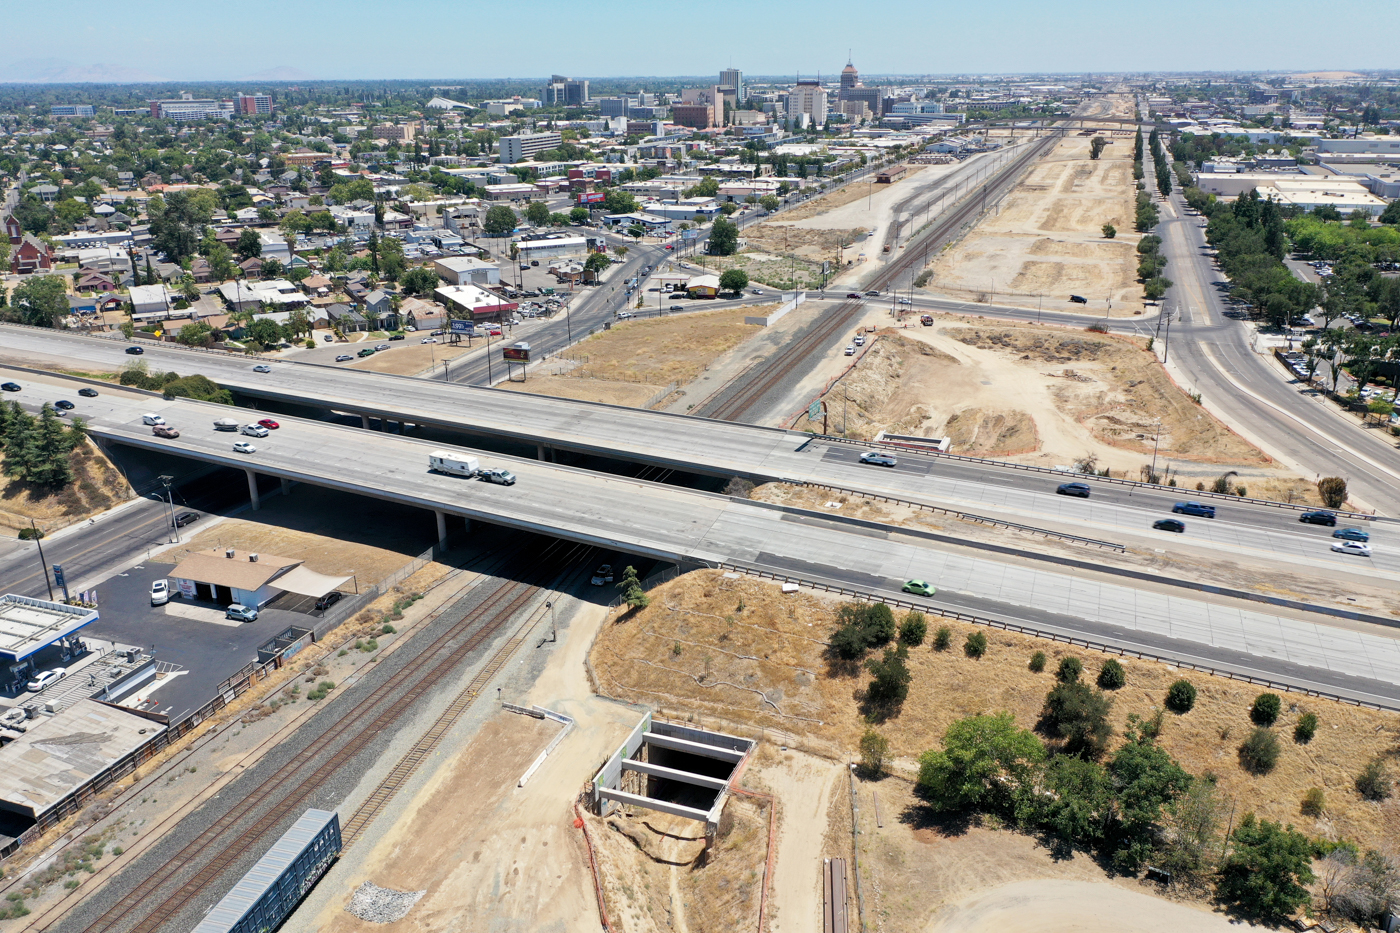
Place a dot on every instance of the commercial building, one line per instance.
(248, 579)
(809, 98)
(467, 270)
(1371, 145)
(150, 300)
(404, 132)
(253, 104)
(553, 246)
(71, 110)
(565, 92)
(188, 107)
(733, 77)
(852, 90)
(29, 625)
(523, 146)
(475, 302)
(695, 116)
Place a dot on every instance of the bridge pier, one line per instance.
(539, 452)
(364, 422)
(253, 489)
(286, 486)
(441, 517)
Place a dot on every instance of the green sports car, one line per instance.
(919, 588)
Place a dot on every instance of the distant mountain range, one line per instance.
(58, 71)
(280, 73)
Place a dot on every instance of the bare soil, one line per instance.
(847, 195)
(627, 394)
(408, 358)
(97, 486)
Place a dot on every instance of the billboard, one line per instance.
(463, 327)
(518, 353)
(594, 197)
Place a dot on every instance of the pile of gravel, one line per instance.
(382, 905)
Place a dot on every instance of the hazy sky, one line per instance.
(456, 39)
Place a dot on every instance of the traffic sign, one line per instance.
(814, 411)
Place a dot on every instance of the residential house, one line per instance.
(358, 291)
(46, 193)
(424, 315)
(125, 180)
(246, 215)
(252, 267)
(82, 305)
(152, 300)
(346, 318)
(378, 309)
(201, 271)
(31, 255)
(316, 284)
(95, 281)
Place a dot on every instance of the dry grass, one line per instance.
(658, 351)
(847, 195)
(771, 646)
(97, 486)
(408, 358)
(628, 394)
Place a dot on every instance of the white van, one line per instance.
(152, 419)
(444, 461)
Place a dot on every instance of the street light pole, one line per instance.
(170, 502)
(42, 564)
(1152, 477)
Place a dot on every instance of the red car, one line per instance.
(269, 424)
(852, 294)
(668, 246)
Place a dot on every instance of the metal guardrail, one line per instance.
(969, 516)
(1077, 641)
(1174, 490)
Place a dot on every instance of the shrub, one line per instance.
(1038, 662)
(942, 638)
(388, 629)
(1259, 752)
(890, 683)
(1069, 671)
(976, 645)
(874, 748)
(1333, 490)
(1305, 729)
(1079, 715)
(879, 625)
(1373, 782)
(1265, 710)
(1111, 675)
(913, 630)
(1313, 802)
(1181, 697)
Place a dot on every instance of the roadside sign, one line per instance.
(518, 353)
(593, 197)
(463, 327)
(814, 411)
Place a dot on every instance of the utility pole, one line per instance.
(1152, 477)
(44, 566)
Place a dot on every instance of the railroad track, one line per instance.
(755, 384)
(150, 904)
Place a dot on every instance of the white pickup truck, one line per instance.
(444, 461)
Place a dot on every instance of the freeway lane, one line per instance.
(682, 525)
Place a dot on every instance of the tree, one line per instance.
(249, 243)
(266, 332)
(1112, 675)
(419, 281)
(221, 262)
(1079, 715)
(1096, 146)
(631, 589)
(1373, 782)
(42, 301)
(1266, 708)
(1037, 662)
(1109, 231)
(771, 203)
(890, 684)
(596, 262)
(1191, 836)
(196, 334)
(985, 762)
(913, 629)
(1305, 728)
(942, 638)
(1154, 289)
(1266, 869)
(1391, 214)
(1181, 696)
(1148, 781)
(500, 221)
(1069, 670)
(1333, 490)
(579, 215)
(724, 237)
(976, 644)
(537, 213)
(874, 749)
(1074, 802)
(617, 201)
(734, 280)
(1259, 751)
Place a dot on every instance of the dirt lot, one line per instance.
(370, 540)
(737, 649)
(634, 360)
(1047, 239)
(847, 195)
(407, 358)
(1047, 396)
(97, 486)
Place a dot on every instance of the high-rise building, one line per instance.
(565, 92)
(733, 77)
(695, 115)
(849, 76)
(521, 147)
(808, 97)
(852, 89)
(250, 104)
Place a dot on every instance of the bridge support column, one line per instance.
(364, 422)
(286, 486)
(253, 489)
(539, 452)
(441, 517)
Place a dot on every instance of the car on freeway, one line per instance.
(1169, 524)
(241, 613)
(329, 600)
(1352, 534)
(603, 574)
(13, 717)
(1319, 518)
(186, 518)
(1352, 547)
(919, 588)
(135, 351)
(850, 349)
(367, 351)
(46, 679)
(852, 294)
(243, 447)
(160, 592)
(1194, 508)
(499, 477)
(165, 430)
(10, 386)
(381, 346)
(1081, 490)
(64, 405)
(87, 393)
(262, 368)
(397, 337)
(254, 430)
(1079, 299)
(879, 458)
(269, 423)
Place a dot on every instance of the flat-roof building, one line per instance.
(28, 625)
(467, 270)
(474, 301)
(523, 146)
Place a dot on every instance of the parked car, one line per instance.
(1081, 490)
(64, 405)
(46, 679)
(604, 574)
(1318, 518)
(243, 447)
(269, 423)
(499, 477)
(160, 592)
(329, 600)
(919, 588)
(135, 351)
(879, 458)
(1194, 508)
(162, 430)
(1169, 524)
(262, 368)
(186, 518)
(850, 349)
(253, 430)
(1352, 547)
(85, 392)
(10, 386)
(926, 320)
(241, 613)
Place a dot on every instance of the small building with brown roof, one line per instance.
(231, 577)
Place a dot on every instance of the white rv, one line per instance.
(444, 461)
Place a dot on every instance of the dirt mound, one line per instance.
(783, 240)
(891, 389)
(1036, 344)
(980, 433)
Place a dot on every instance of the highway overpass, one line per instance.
(690, 527)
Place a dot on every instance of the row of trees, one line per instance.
(173, 385)
(1151, 262)
(37, 449)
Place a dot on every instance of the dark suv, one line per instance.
(1319, 518)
